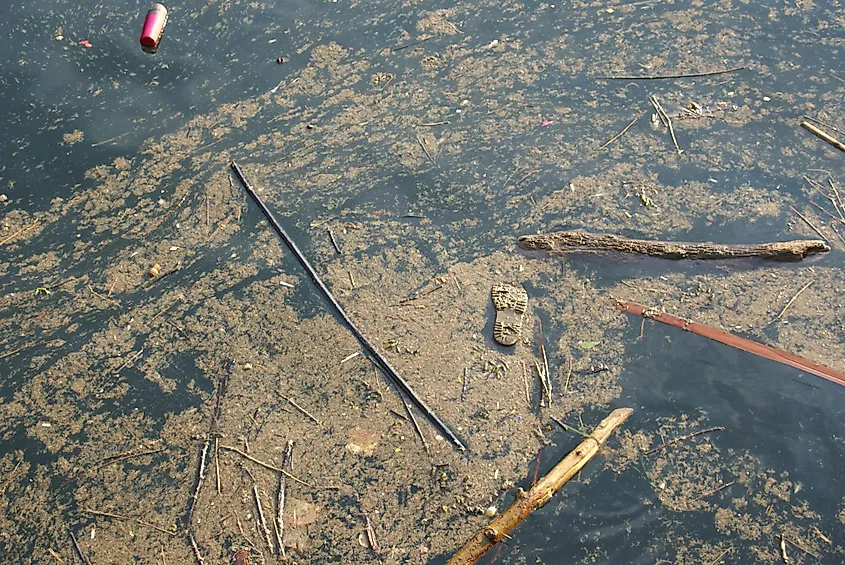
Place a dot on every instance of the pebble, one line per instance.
(4, 198)
(491, 511)
(247, 366)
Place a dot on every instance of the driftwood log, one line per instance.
(566, 241)
(527, 502)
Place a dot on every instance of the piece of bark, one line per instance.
(527, 502)
(576, 240)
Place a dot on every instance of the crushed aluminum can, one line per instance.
(153, 28)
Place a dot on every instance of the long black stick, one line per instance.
(380, 361)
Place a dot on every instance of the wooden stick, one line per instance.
(196, 549)
(281, 493)
(19, 232)
(128, 519)
(720, 556)
(823, 135)
(576, 240)
(371, 536)
(621, 133)
(416, 426)
(262, 521)
(809, 223)
(683, 438)
(249, 457)
(78, 549)
(379, 359)
(525, 384)
(334, 241)
(715, 490)
(422, 144)
(667, 120)
(797, 294)
(303, 410)
(217, 465)
(200, 479)
(525, 503)
(734, 341)
(662, 77)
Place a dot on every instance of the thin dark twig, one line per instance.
(380, 361)
(683, 438)
(79, 549)
(661, 77)
(623, 132)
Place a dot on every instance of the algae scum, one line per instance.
(405, 146)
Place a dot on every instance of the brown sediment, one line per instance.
(567, 241)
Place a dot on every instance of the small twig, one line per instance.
(569, 371)
(412, 44)
(801, 547)
(371, 533)
(546, 376)
(10, 476)
(720, 556)
(823, 135)
(525, 384)
(788, 304)
(683, 438)
(464, 385)
(838, 198)
(432, 124)
(809, 223)
(420, 294)
(822, 536)
(303, 410)
(19, 232)
(667, 120)
(260, 519)
(287, 459)
(623, 132)
(101, 297)
(129, 361)
(350, 357)
(128, 519)
(351, 279)
(334, 241)
(18, 350)
(249, 457)
(416, 425)
(661, 77)
(196, 548)
(424, 148)
(124, 456)
(217, 465)
(714, 491)
(78, 549)
(200, 479)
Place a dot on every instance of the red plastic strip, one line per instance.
(734, 341)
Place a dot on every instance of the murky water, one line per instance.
(422, 138)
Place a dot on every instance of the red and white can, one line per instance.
(153, 28)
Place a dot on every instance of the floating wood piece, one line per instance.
(379, 360)
(823, 135)
(734, 341)
(527, 502)
(673, 76)
(577, 240)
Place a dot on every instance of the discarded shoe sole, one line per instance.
(510, 302)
